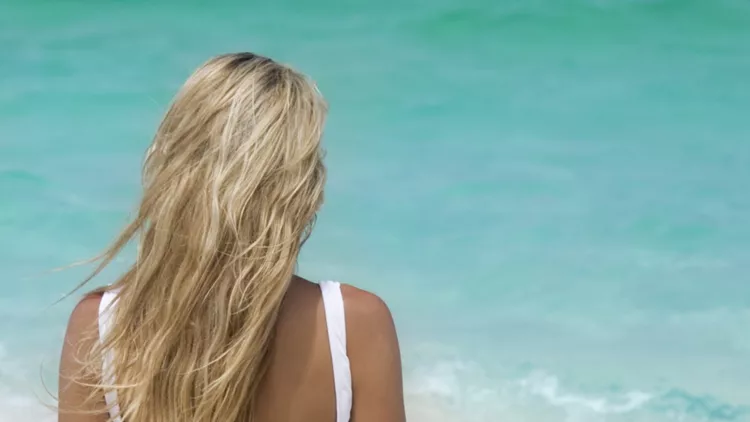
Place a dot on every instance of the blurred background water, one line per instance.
(552, 195)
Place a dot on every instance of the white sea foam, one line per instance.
(548, 387)
(17, 401)
(460, 391)
(19, 408)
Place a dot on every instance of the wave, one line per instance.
(459, 391)
(453, 391)
(17, 402)
(548, 387)
(19, 408)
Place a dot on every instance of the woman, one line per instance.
(210, 323)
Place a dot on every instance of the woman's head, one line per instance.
(238, 153)
(232, 184)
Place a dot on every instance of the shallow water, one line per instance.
(551, 195)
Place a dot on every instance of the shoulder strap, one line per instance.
(333, 302)
(106, 306)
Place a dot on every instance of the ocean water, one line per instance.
(552, 195)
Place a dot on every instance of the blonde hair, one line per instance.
(232, 184)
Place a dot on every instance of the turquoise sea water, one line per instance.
(552, 195)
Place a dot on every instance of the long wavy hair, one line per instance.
(231, 187)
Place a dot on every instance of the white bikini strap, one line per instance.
(333, 302)
(106, 306)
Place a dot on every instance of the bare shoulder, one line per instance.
(368, 319)
(374, 356)
(84, 317)
(82, 334)
(365, 308)
(87, 310)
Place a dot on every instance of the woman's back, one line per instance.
(305, 358)
(307, 371)
(300, 384)
(209, 324)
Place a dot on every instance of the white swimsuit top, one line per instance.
(333, 302)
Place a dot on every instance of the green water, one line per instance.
(551, 195)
